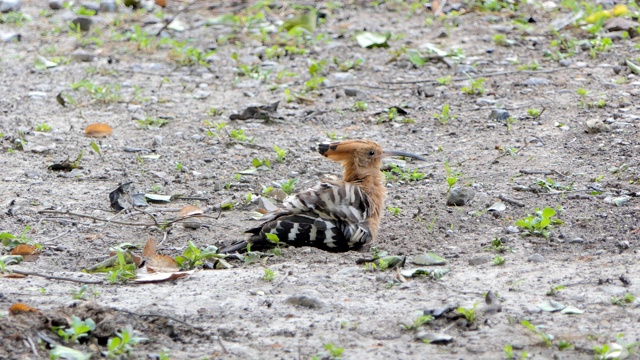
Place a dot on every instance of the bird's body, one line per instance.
(334, 216)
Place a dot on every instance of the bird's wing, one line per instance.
(331, 216)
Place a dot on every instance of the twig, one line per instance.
(510, 201)
(514, 153)
(535, 172)
(221, 344)
(52, 277)
(279, 282)
(161, 316)
(167, 23)
(33, 347)
(57, 236)
(499, 73)
(440, 8)
(93, 218)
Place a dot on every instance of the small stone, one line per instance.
(486, 102)
(84, 56)
(157, 140)
(358, 94)
(342, 76)
(460, 196)
(476, 349)
(465, 69)
(10, 5)
(305, 301)
(512, 229)
(108, 6)
(499, 115)
(201, 94)
(565, 62)
(434, 338)
(13, 37)
(624, 244)
(534, 81)
(83, 22)
(55, 4)
(577, 241)
(92, 6)
(595, 126)
(536, 258)
(482, 259)
(429, 259)
(426, 91)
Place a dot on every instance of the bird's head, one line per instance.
(359, 157)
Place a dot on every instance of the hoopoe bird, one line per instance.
(335, 216)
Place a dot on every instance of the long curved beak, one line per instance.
(402, 153)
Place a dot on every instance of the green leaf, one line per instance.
(633, 67)
(548, 212)
(306, 21)
(95, 147)
(367, 39)
(273, 238)
(415, 58)
(41, 63)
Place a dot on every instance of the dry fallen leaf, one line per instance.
(162, 263)
(28, 252)
(19, 308)
(159, 277)
(98, 130)
(161, 3)
(150, 248)
(192, 213)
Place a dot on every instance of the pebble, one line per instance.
(465, 69)
(305, 301)
(577, 241)
(92, 6)
(201, 94)
(499, 115)
(55, 4)
(157, 140)
(565, 62)
(358, 94)
(84, 56)
(535, 81)
(13, 37)
(536, 258)
(83, 22)
(342, 76)
(512, 229)
(434, 338)
(486, 102)
(10, 5)
(482, 259)
(108, 6)
(460, 196)
(595, 126)
(426, 91)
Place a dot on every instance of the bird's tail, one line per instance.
(258, 243)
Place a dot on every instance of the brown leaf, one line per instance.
(150, 248)
(13, 276)
(19, 308)
(162, 263)
(98, 130)
(190, 210)
(161, 3)
(28, 252)
(159, 277)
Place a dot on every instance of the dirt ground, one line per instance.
(538, 155)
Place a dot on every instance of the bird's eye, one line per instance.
(371, 153)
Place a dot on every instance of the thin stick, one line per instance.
(510, 201)
(52, 277)
(33, 347)
(93, 218)
(161, 316)
(535, 172)
(279, 282)
(499, 73)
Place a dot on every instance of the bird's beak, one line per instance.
(402, 153)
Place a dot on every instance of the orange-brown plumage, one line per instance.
(334, 216)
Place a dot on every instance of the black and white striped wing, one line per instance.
(330, 216)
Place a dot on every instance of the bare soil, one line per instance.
(236, 314)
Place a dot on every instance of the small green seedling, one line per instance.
(77, 330)
(475, 87)
(9, 240)
(554, 290)
(152, 123)
(44, 127)
(546, 339)
(288, 186)
(498, 260)
(534, 113)
(469, 314)
(123, 270)
(334, 351)
(452, 177)
(539, 223)
(625, 300)
(418, 322)
(269, 274)
(498, 246)
(193, 256)
(258, 163)
(179, 166)
(280, 153)
(360, 106)
(394, 210)
(120, 347)
(445, 115)
(508, 352)
(500, 40)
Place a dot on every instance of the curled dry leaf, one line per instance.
(161, 3)
(159, 277)
(98, 130)
(19, 308)
(192, 213)
(28, 252)
(162, 263)
(150, 248)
